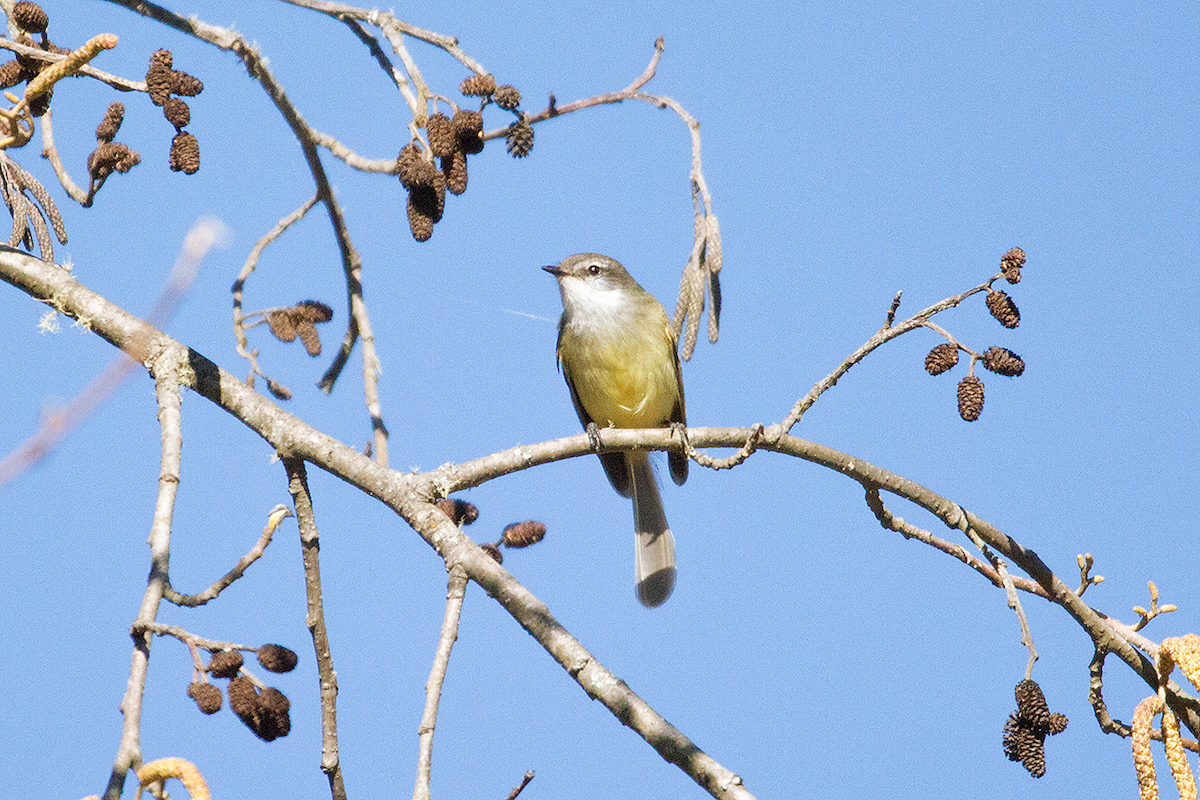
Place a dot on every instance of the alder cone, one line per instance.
(1003, 309)
(207, 697)
(970, 398)
(941, 358)
(1003, 361)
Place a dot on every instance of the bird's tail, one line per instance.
(654, 552)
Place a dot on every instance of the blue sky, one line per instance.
(852, 151)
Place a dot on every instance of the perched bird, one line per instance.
(617, 352)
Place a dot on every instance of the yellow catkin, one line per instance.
(1143, 759)
(1185, 652)
(69, 65)
(1177, 756)
(182, 769)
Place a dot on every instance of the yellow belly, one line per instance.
(623, 383)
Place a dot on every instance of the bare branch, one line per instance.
(437, 676)
(521, 786)
(239, 332)
(129, 752)
(276, 516)
(884, 334)
(411, 496)
(310, 542)
(115, 81)
(909, 531)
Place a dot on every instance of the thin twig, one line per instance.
(909, 531)
(50, 152)
(884, 334)
(274, 517)
(310, 543)
(1106, 721)
(251, 264)
(521, 786)
(437, 676)
(189, 638)
(115, 81)
(129, 752)
(1014, 602)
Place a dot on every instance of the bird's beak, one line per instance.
(556, 271)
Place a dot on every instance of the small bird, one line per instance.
(618, 355)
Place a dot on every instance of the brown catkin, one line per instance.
(442, 139)
(313, 311)
(1003, 308)
(519, 139)
(468, 127)
(128, 160)
(113, 116)
(419, 222)
(225, 664)
(277, 658)
(158, 76)
(30, 17)
(105, 158)
(177, 112)
(478, 86)
(1031, 704)
(11, 73)
(185, 85)
(1011, 263)
(244, 700)
(1003, 361)
(427, 201)
(185, 153)
(273, 720)
(207, 697)
(970, 398)
(307, 333)
(454, 169)
(413, 169)
(507, 97)
(941, 358)
(523, 534)
(282, 324)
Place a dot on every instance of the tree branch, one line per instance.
(455, 592)
(310, 542)
(412, 496)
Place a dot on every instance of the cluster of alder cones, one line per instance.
(451, 140)
(1026, 730)
(168, 87)
(264, 711)
(999, 360)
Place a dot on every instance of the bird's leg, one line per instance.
(680, 430)
(593, 433)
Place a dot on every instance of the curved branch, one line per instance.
(412, 496)
(276, 516)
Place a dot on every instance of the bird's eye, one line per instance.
(593, 269)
